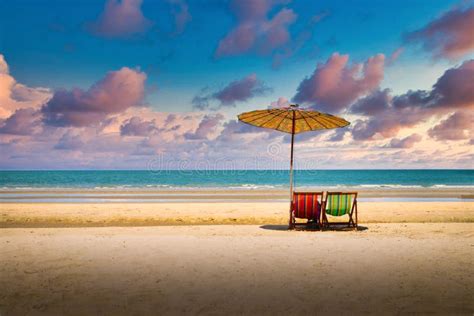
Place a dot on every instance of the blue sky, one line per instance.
(79, 71)
(47, 44)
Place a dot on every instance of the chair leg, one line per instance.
(324, 222)
(356, 220)
(291, 224)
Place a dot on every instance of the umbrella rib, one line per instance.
(332, 122)
(274, 115)
(305, 120)
(335, 118)
(282, 121)
(259, 115)
(317, 121)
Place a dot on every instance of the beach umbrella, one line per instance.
(292, 120)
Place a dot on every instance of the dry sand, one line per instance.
(196, 213)
(384, 269)
(409, 257)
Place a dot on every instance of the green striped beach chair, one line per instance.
(339, 204)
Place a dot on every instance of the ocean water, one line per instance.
(235, 179)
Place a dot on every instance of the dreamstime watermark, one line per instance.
(270, 161)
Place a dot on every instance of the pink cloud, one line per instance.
(22, 122)
(136, 126)
(236, 91)
(116, 92)
(70, 141)
(407, 142)
(449, 36)
(456, 86)
(395, 55)
(207, 127)
(120, 19)
(386, 115)
(14, 95)
(384, 118)
(458, 126)
(282, 102)
(254, 30)
(336, 84)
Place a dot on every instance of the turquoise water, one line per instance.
(235, 178)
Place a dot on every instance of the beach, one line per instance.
(229, 251)
(245, 269)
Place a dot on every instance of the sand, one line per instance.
(384, 269)
(237, 194)
(198, 213)
(173, 258)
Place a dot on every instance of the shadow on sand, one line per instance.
(310, 228)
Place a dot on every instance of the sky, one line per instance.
(142, 84)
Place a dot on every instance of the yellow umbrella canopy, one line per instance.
(292, 120)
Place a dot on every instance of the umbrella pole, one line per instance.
(291, 171)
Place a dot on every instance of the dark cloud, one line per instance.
(407, 142)
(450, 35)
(458, 126)
(180, 12)
(255, 31)
(335, 84)
(386, 115)
(206, 127)
(69, 141)
(21, 122)
(136, 126)
(120, 19)
(115, 93)
(237, 91)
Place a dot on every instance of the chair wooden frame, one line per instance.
(353, 220)
(311, 221)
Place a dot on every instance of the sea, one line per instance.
(234, 179)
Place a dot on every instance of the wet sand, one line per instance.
(384, 269)
(242, 194)
(199, 213)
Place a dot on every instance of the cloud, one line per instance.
(338, 135)
(395, 55)
(448, 36)
(180, 12)
(456, 86)
(69, 141)
(282, 102)
(207, 127)
(300, 39)
(386, 115)
(254, 30)
(458, 126)
(335, 84)
(136, 126)
(120, 19)
(116, 92)
(14, 95)
(373, 104)
(407, 142)
(236, 91)
(22, 122)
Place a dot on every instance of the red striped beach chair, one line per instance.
(306, 205)
(339, 204)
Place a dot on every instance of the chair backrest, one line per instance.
(340, 203)
(307, 204)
